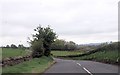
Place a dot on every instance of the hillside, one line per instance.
(107, 53)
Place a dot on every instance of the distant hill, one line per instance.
(90, 44)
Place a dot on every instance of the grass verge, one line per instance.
(36, 65)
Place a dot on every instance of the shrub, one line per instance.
(38, 49)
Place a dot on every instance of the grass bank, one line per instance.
(104, 56)
(108, 54)
(36, 65)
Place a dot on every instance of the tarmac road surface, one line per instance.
(81, 67)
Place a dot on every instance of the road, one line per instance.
(81, 67)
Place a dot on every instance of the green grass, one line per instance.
(110, 56)
(10, 52)
(106, 53)
(36, 65)
(65, 53)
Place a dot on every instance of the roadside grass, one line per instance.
(66, 53)
(36, 65)
(102, 56)
(11, 52)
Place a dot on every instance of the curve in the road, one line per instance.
(86, 67)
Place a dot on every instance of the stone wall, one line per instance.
(16, 60)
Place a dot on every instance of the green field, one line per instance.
(10, 52)
(108, 55)
(66, 53)
(36, 65)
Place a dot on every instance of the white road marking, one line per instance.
(85, 69)
(79, 64)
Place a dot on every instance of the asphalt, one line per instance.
(81, 67)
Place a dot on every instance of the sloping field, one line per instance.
(107, 54)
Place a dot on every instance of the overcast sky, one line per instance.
(81, 21)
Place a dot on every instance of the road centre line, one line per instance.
(79, 64)
(85, 69)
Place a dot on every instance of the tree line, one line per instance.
(14, 46)
(61, 44)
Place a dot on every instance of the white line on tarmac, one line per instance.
(79, 64)
(85, 69)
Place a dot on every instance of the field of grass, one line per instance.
(10, 52)
(107, 53)
(65, 53)
(36, 65)
(108, 56)
(112, 55)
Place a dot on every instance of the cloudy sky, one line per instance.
(81, 21)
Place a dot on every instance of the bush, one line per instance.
(38, 49)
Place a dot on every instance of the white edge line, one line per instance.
(85, 69)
